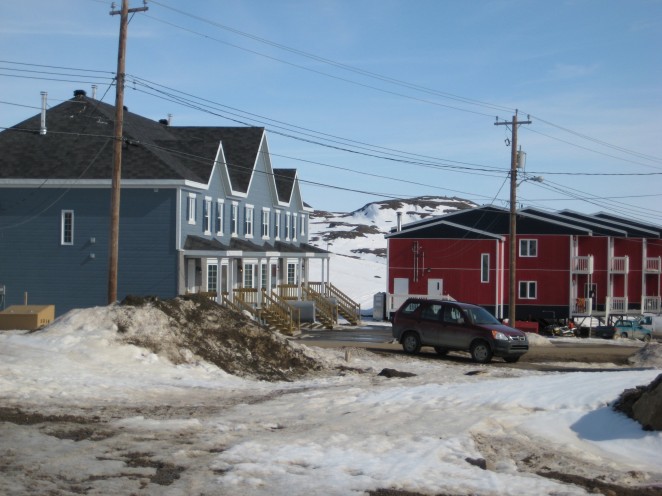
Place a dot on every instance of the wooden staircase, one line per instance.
(277, 313)
(347, 308)
(325, 312)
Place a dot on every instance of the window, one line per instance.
(263, 274)
(212, 277)
(234, 220)
(294, 227)
(265, 223)
(277, 224)
(431, 311)
(190, 213)
(67, 227)
(206, 216)
(411, 307)
(287, 226)
(453, 315)
(303, 225)
(220, 211)
(248, 221)
(249, 270)
(291, 273)
(528, 290)
(485, 267)
(528, 247)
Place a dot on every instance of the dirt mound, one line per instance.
(192, 328)
(643, 404)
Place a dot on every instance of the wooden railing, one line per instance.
(241, 305)
(288, 291)
(653, 265)
(247, 295)
(326, 312)
(617, 304)
(582, 265)
(347, 307)
(651, 304)
(619, 265)
(279, 313)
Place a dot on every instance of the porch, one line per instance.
(290, 307)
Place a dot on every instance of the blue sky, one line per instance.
(418, 83)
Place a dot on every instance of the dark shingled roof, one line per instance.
(284, 183)
(79, 145)
(197, 243)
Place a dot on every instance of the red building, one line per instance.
(569, 265)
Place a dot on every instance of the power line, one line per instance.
(377, 76)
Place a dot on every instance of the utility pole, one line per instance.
(512, 280)
(113, 248)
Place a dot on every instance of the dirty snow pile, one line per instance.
(84, 412)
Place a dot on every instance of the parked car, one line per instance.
(631, 329)
(451, 325)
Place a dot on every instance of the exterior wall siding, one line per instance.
(456, 262)
(33, 260)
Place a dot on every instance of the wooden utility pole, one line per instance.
(113, 248)
(512, 266)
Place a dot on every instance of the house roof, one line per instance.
(485, 222)
(197, 243)
(78, 144)
(489, 221)
(285, 183)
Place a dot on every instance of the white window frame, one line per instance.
(288, 224)
(67, 228)
(293, 278)
(525, 248)
(266, 215)
(206, 215)
(528, 290)
(234, 219)
(484, 267)
(249, 212)
(220, 211)
(210, 266)
(276, 224)
(248, 271)
(191, 206)
(303, 224)
(264, 275)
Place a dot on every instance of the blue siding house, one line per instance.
(202, 210)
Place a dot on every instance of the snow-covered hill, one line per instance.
(357, 241)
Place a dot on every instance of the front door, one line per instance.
(435, 287)
(400, 291)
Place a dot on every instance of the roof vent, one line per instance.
(163, 121)
(79, 93)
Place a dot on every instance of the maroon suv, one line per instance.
(451, 325)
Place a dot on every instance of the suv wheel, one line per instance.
(624, 335)
(481, 352)
(647, 338)
(411, 343)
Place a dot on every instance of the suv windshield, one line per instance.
(480, 316)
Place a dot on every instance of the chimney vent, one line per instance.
(42, 128)
(163, 121)
(399, 228)
(94, 91)
(79, 93)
